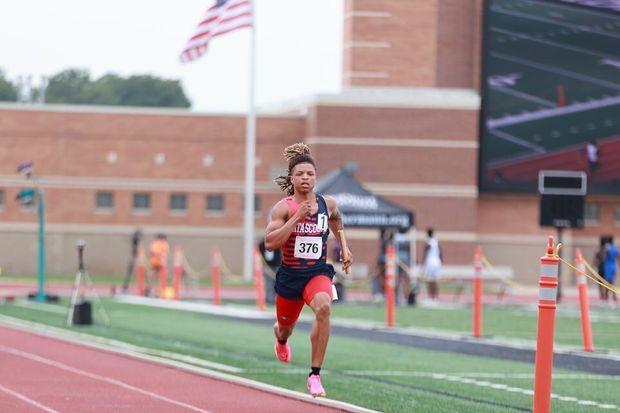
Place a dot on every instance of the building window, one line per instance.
(591, 213)
(215, 204)
(141, 202)
(1, 199)
(617, 214)
(104, 201)
(178, 203)
(256, 204)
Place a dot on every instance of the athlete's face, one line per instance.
(303, 177)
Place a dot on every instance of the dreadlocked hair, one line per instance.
(295, 154)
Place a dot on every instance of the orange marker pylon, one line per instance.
(582, 285)
(561, 95)
(140, 271)
(390, 284)
(547, 299)
(177, 272)
(216, 275)
(477, 299)
(258, 280)
(163, 280)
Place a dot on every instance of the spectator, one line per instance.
(593, 155)
(135, 243)
(378, 281)
(611, 268)
(159, 259)
(271, 262)
(599, 263)
(432, 264)
(405, 285)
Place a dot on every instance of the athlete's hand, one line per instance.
(303, 211)
(346, 263)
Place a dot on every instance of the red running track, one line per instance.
(41, 374)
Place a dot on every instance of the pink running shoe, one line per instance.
(283, 352)
(315, 387)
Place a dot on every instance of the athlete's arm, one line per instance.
(281, 226)
(335, 225)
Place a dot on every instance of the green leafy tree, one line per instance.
(75, 86)
(69, 86)
(8, 91)
(147, 90)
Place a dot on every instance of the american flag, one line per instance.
(223, 17)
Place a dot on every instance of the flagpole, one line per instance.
(250, 152)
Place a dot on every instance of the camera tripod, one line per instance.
(79, 290)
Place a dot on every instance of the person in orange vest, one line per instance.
(158, 252)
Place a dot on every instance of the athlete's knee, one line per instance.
(283, 332)
(322, 309)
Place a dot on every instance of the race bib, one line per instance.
(322, 222)
(308, 247)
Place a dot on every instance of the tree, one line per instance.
(75, 86)
(8, 91)
(69, 86)
(147, 90)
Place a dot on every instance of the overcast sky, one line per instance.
(299, 46)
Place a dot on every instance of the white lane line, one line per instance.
(121, 347)
(553, 44)
(548, 113)
(62, 366)
(557, 71)
(517, 141)
(556, 22)
(481, 375)
(523, 95)
(28, 400)
(527, 392)
(87, 341)
(577, 10)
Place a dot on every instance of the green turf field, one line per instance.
(379, 376)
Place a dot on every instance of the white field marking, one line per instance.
(527, 392)
(508, 120)
(517, 141)
(516, 376)
(62, 366)
(50, 308)
(581, 10)
(553, 44)
(28, 400)
(524, 96)
(116, 346)
(575, 27)
(556, 70)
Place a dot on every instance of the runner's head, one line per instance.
(301, 170)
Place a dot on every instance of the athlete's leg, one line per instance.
(287, 313)
(318, 295)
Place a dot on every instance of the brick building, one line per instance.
(408, 115)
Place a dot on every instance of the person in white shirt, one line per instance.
(432, 264)
(593, 155)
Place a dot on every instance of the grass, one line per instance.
(497, 321)
(378, 376)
